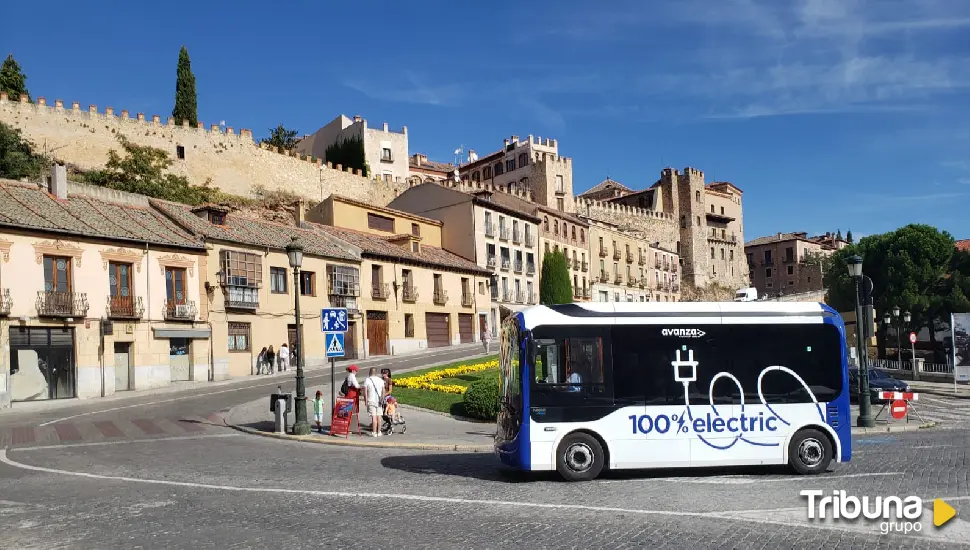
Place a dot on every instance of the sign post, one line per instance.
(334, 324)
(912, 345)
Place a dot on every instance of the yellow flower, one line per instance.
(425, 381)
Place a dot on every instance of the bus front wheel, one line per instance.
(580, 457)
(810, 452)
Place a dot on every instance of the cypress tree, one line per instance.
(554, 285)
(186, 100)
(13, 80)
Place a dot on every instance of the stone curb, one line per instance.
(376, 445)
(894, 428)
(941, 393)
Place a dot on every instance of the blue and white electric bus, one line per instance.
(644, 385)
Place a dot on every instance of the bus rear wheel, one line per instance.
(580, 457)
(810, 452)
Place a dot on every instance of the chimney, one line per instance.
(58, 181)
(385, 126)
(300, 213)
(506, 142)
(357, 118)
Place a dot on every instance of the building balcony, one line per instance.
(576, 264)
(409, 294)
(629, 257)
(440, 297)
(530, 298)
(530, 240)
(642, 283)
(604, 278)
(520, 297)
(790, 260)
(666, 266)
(179, 310)
(617, 279)
(467, 299)
(631, 282)
(380, 291)
(603, 252)
(518, 266)
(577, 292)
(516, 237)
(6, 302)
(641, 260)
(490, 262)
(503, 233)
(348, 302)
(617, 255)
(62, 304)
(673, 268)
(585, 266)
(506, 264)
(675, 287)
(241, 297)
(506, 295)
(657, 264)
(490, 230)
(124, 307)
(586, 293)
(530, 269)
(344, 288)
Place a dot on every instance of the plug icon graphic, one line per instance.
(685, 371)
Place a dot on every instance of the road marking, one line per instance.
(108, 429)
(447, 500)
(746, 480)
(275, 382)
(67, 432)
(127, 442)
(147, 426)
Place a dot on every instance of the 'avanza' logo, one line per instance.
(683, 332)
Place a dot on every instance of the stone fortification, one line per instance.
(231, 161)
(654, 226)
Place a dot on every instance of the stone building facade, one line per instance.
(788, 263)
(385, 151)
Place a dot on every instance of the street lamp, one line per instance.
(294, 252)
(906, 319)
(854, 265)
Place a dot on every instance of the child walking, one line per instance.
(318, 411)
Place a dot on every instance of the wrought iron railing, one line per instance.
(125, 307)
(62, 304)
(179, 310)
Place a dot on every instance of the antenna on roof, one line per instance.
(458, 153)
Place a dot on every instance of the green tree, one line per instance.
(348, 153)
(13, 81)
(142, 170)
(282, 138)
(17, 156)
(554, 285)
(838, 234)
(911, 267)
(186, 100)
(848, 236)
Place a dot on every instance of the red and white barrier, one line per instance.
(893, 395)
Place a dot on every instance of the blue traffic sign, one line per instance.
(333, 319)
(335, 344)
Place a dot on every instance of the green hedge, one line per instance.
(481, 399)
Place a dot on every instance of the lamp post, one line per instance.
(854, 264)
(294, 252)
(906, 319)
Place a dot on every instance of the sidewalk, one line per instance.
(175, 388)
(426, 430)
(944, 389)
(884, 426)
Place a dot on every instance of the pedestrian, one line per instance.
(388, 384)
(351, 388)
(485, 336)
(373, 393)
(260, 359)
(271, 360)
(317, 409)
(284, 355)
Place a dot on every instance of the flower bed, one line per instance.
(426, 380)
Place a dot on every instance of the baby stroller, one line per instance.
(392, 417)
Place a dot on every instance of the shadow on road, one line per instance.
(480, 466)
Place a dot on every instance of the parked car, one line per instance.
(879, 381)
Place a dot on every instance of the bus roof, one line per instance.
(676, 313)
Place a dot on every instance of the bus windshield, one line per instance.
(510, 391)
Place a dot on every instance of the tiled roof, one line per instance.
(963, 245)
(377, 246)
(433, 166)
(255, 232)
(507, 202)
(781, 237)
(31, 207)
(384, 209)
(605, 184)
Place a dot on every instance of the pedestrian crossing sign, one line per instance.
(335, 344)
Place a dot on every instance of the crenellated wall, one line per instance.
(232, 161)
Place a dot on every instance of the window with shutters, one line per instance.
(380, 223)
(239, 337)
(243, 272)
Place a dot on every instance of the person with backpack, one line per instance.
(351, 387)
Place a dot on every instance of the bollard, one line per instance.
(280, 414)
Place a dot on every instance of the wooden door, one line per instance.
(350, 341)
(438, 329)
(376, 332)
(466, 328)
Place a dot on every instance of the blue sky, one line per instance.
(827, 113)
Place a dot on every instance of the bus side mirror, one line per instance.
(531, 350)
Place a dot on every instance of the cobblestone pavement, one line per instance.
(219, 488)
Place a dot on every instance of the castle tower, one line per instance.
(553, 181)
(690, 212)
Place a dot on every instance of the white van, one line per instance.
(749, 294)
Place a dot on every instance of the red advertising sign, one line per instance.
(343, 410)
(898, 409)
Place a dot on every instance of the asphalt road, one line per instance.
(211, 487)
